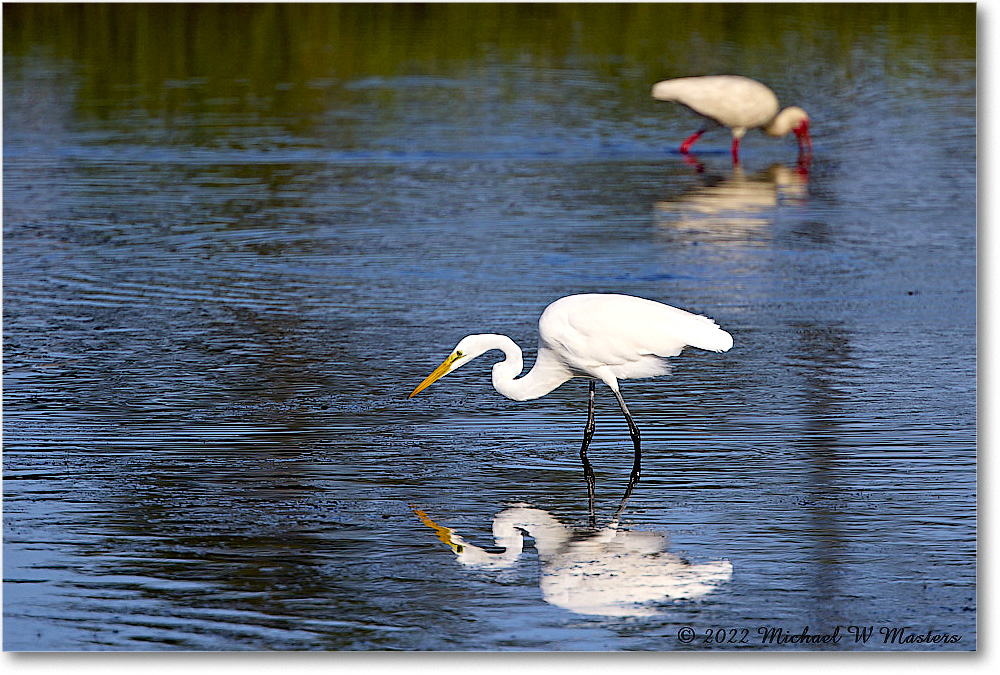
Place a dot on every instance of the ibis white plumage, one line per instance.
(604, 337)
(738, 103)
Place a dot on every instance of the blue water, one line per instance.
(209, 337)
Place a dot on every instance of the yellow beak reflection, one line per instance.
(443, 533)
(439, 372)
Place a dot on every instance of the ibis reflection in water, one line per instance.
(735, 206)
(610, 571)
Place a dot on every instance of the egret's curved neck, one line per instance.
(540, 380)
(549, 534)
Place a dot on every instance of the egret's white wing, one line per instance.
(628, 334)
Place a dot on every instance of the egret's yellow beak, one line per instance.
(439, 372)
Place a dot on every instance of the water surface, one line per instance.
(229, 255)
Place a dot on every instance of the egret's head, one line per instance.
(467, 349)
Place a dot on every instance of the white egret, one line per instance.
(738, 103)
(602, 337)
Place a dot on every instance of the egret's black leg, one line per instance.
(633, 431)
(588, 470)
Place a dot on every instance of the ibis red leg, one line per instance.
(686, 145)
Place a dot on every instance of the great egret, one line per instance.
(604, 337)
(738, 103)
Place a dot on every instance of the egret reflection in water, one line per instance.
(608, 572)
(738, 205)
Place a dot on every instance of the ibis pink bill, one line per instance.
(735, 102)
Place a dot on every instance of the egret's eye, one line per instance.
(458, 353)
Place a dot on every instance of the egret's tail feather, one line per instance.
(714, 340)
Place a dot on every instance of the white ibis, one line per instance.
(738, 103)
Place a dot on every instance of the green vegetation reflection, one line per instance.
(276, 59)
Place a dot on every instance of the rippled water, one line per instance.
(215, 308)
